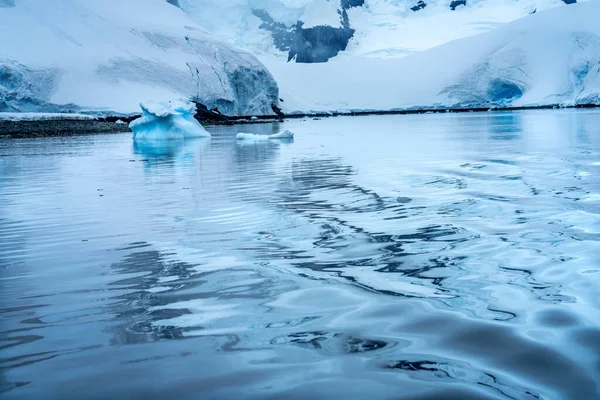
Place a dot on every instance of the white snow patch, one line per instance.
(321, 12)
(11, 116)
(167, 121)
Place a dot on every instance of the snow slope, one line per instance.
(68, 55)
(550, 57)
(382, 28)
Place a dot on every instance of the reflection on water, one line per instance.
(440, 256)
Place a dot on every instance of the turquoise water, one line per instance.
(445, 256)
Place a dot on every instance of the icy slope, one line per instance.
(551, 57)
(65, 55)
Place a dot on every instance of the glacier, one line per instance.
(108, 55)
(483, 54)
(548, 58)
(172, 120)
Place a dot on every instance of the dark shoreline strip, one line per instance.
(67, 127)
(417, 111)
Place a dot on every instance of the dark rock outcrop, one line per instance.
(419, 6)
(456, 3)
(310, 45)
(346, 4)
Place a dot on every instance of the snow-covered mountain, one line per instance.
(550, 57)
(349, 55)
(317, 30)
(60, 55)
(405, 54)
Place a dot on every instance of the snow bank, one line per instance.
(167, 121)
(551, 57)
(8, 116)
(252, 136)
(65, 55)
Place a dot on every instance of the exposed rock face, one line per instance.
(456, 3)
(310, 45)
(346, 4)
(419, 6)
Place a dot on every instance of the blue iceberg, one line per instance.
(167, 121)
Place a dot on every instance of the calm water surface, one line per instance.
(451, 256)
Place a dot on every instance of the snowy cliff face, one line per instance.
(308, 31)
(110, 54)
(548, 58)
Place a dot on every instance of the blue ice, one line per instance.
(167, 121)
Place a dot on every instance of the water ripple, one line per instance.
(452, 256)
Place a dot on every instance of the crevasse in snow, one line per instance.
(167, 121)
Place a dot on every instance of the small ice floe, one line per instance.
(167, 121)
(252, 136)
(120, 122)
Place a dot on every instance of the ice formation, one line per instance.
(282, 135)
(252, 136)
(549, 58)
(108, 55)
(167, 121)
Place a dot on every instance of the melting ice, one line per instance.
(167, 121)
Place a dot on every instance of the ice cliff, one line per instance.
(68, 55)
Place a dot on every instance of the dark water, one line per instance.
(401, 257)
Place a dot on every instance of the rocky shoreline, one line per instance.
(59, 127)
(120, 124)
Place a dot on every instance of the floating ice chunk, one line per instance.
(252, 136)
(167, 121)
(282, 135)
